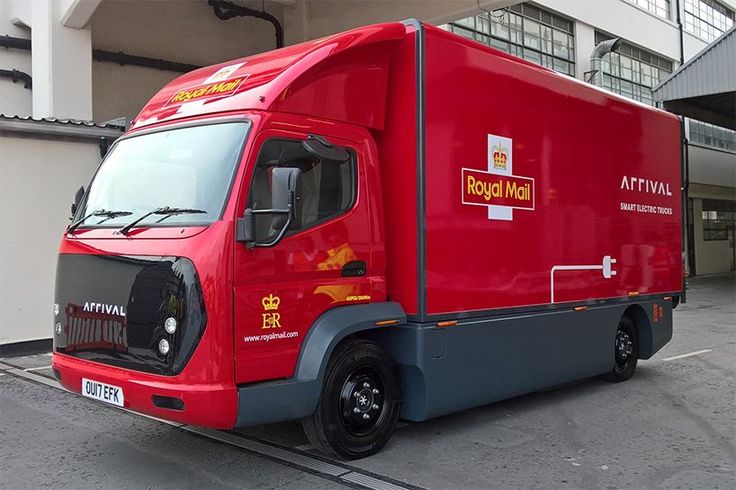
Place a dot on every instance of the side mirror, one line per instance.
(324, 150)
(283, 191)
(246, 228)
(77, 199)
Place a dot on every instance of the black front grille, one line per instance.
(112, 310)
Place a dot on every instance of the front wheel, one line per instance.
(360, 402)
(626, 352)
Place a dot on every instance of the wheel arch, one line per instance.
(643, 325)
(336, 325)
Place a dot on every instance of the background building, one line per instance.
(66, 61)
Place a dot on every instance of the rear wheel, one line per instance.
(360, 402)
(626, 352)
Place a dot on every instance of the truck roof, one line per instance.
(272, 81)
(258, 82)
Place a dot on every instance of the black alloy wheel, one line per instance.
(626, 351)
(360, 402)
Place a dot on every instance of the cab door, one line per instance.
(323, 260)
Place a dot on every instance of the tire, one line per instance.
(360, 402)
(625, 350)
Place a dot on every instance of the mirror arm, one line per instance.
(272, 211)
(281, 234)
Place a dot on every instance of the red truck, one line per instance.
(389, 222)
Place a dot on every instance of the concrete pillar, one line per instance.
(296, 23)
(584, 44)
(61, 62)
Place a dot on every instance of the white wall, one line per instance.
(38, 179)
(635, 25)
(184, 31)
(713, 167)
(14, 99)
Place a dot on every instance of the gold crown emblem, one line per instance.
(500, 157)
(270, 302)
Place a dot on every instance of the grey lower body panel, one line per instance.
(478, 361)
(277, 401)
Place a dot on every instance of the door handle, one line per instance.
(354, 268)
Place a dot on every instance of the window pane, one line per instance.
(532, 56)
(324, 188)
(531, 34)
(184, 168)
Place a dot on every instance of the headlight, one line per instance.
(56, 309)
(170, 325)
(163, 346)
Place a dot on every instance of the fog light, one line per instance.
(56, 309)
(170, 325)
(163, 346)
(57, 328)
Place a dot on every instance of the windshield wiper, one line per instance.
(165, 211)
(99, 212)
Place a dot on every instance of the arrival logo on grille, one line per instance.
(117, 310)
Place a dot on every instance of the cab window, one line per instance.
(325, 189)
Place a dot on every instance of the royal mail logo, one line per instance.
(223, 88)
(500, 157)
(498, 188)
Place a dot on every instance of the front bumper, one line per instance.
(206, 405)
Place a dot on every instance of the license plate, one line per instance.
(103, 392)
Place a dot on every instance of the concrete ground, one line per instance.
(672, 426)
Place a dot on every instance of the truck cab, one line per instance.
(243, 204)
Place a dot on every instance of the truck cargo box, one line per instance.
(529, 188)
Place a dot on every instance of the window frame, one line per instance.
(725, 212)
(354, 162)
(637, 62)
(652, 7)
(515, 43)
(696, 23)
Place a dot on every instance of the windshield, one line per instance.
(188, 168)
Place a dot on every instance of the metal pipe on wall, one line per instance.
(227, 10)
(118, 57)
(596, 58)
(18, 76)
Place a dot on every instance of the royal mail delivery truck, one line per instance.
(389, 222)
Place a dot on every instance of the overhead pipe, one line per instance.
(122, 58)
(227, 10)
(118, 57)
(16, 76)
(15, 42)
(596, 58)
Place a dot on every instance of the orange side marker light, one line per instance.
(448, 323)
(383, 323)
